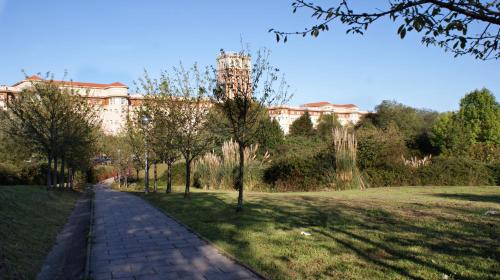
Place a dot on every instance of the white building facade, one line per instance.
(347, 114)
(113, 103)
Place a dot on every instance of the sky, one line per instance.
(105, 41)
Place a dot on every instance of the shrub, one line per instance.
(302, 174)
(485, 152)
(454, 171)
(443, 171)
(495, 171)
(9, 175)
(26, 174)
(300, 146)
(380, 147)
(100, 172)
(33, 173)
(389, 175)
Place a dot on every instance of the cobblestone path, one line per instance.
(134, 240)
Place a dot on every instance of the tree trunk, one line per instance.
(169, 177)
(126, 180)
(146, 178)
(55, 173)
(241, 176)
(61, 173)
(137, 174)
(70, 178)
(155, 174)
(187, 194)
(119, 177)
(49, 171)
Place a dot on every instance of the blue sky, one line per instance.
(106, 41)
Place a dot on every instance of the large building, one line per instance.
(112, 101)
(347, 114)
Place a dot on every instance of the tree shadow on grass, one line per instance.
(494, 198)
(378, 234)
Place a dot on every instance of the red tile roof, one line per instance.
(34, 78)
(323, 103)
(344, 105)
(316, 104)
(78, 84)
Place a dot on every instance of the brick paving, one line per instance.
(134, 240)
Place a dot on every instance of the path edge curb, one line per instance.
(86, 275)
(222, 251)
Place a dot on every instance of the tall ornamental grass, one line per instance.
(345, 147)
(213, 171)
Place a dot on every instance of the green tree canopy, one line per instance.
(414, 124)
(480, 112)
(326, 124)
(476, 122)
(302, 126)
(269, 134)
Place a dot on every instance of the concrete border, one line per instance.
(90, 235)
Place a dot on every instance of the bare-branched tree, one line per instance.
(243, 92)
(187, 108)
(159, 99)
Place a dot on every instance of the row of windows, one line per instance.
(118, 101)
(115, 110)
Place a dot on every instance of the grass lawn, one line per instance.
(30, 218)
(383, 233)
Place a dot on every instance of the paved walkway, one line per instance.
(133, 240)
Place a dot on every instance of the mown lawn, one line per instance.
(30, 218)
(383, 233)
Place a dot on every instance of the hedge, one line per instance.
(27, 174)
(444, 171)
(301, 174)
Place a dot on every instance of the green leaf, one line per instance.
(402, 33)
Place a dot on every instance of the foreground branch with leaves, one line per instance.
(462, 27)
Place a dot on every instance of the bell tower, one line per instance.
(234, 74)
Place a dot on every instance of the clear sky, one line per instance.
(114, 40)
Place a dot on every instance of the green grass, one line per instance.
(383, 233)
(30, 218)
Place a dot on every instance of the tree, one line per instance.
(480, 111)
(302, 126)
(188, 105)
(135, 140)
(269, 134)
(477, 121)
(51, 119)
(380, 147)
(120, 151)
(414, 124)
(243, 91)
(326, 124)
(164, 127)
(462, 27)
